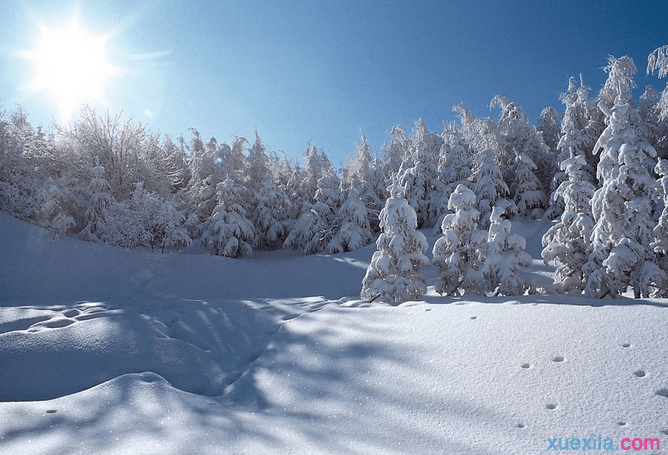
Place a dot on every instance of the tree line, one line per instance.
(599, 168)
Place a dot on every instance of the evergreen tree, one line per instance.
(419, 175)
(530, 198)
(352, 220)
(394, 273)
(457, 253)
(270, 216)
(505, 255)
(100, 200)
(620, 254)
(489, 185)
(566, 243)
(228, 232)
(549, 126)
(517, 135)
(314, 229)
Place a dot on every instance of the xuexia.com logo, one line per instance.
(598, 443)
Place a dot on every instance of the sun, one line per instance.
(71, 67)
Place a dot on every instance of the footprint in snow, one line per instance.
(551, 406)
(558, 358)
(640, 373)
(662, 392)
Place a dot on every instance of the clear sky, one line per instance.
(304, 70)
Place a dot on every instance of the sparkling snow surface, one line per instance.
(104, 350)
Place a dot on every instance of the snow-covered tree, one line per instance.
(657, 62)
(660, 231)
(375, 193)
(529, 196)
(457, 253)
(579, 131)
(352, 220)
(419, 175)
(566, 243)
(505, 255)
(270, 216)
(397, 150)
(517, 136)
(314, 229)
(489, 185)
(454, 168)
(19, 174)
(394, 274)
(100, 200)
(228, 232)
(549, 126)
(623, 207)
(160, 221)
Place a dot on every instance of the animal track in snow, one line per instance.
(626, 345)
(526, 365)
(640, 373)
(551, 406)
(662, 392)
(558, 358)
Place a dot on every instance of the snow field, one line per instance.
(108, 351)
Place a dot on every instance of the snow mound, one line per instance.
(197, 346)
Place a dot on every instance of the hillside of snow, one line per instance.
(105, 351)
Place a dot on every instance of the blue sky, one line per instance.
(322, 71)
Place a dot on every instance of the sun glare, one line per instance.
(71, 67)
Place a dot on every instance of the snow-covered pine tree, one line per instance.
(270, 216)
(315, 227)
(352, 220)
(228, 232)
(657, 62)
(489, 185)
(396, 151)
(660, 231)
(517, 135)
(160, 221)
(623, 207)
(419, 175)
(457, 253)
(579, 131)
(549, 126)
(505, 255)
(530, 198)
(394, 273)
(454, 168)
(566, 243)
(100, 199)
(375, 194)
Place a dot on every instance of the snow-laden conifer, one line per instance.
(228, 232)
(100, 200)
(352, 221)
(505, 255)
(394, 274)
(566, 243)
(489, 185)
(529, 196)
(457, 253)
(623, 207)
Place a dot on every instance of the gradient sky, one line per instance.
(324, 70)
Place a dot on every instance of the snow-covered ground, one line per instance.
(104, 350)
